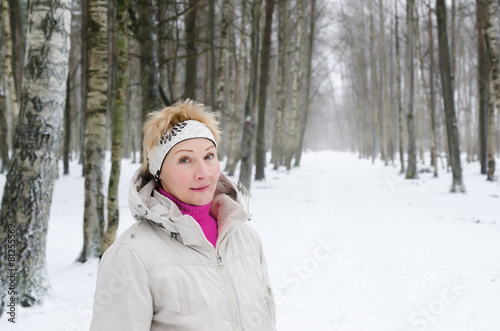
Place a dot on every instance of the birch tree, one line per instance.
(449, 106)
(117, 134)
(95, 129)
(30, 181)
(297, 71)
(282, 83)
(491, 46)
(8, 60)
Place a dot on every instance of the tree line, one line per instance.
(380, 77)
(78, 78)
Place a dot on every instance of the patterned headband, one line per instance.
(181, 131)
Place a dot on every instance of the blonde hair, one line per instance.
(161, 121)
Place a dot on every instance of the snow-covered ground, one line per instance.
(350, 245)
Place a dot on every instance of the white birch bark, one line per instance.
(28, 191)
(95, 129)
(7, 62)
(298, 66)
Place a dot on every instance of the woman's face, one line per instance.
(190, 171)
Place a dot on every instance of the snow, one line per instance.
(350, 245)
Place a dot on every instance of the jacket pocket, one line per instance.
(169, 311)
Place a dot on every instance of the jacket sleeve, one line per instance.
(271, 306)
(123, 299)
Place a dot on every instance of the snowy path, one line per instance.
(403, 255)
(351, 245)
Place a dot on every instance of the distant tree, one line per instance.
(278, 150)
(261, 148)
(398, 83)
(33, 169)
(248, 140)
(432, 95)
(491, 46)
(411, 170)
(483, 82)
(297, 78)
(95, 129)
(449, 106)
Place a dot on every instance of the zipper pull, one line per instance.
(219, 259)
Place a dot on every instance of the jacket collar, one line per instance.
(146, 203)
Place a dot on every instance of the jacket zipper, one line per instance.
(233, 302)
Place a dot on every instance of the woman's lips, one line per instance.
(201, 188)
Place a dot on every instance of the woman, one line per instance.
(190, 262)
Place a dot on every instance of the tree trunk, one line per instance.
(147, 36)
(28, 190)
(4, 146)
(191, 52)
(298, 66)
(411, 170)
(483, 78)
(283, 69)
(95, 129)
(236, 110)
(248, 140)
(7, 62)
(400, 106)
(213, 72)
(374, 92)
(220, 105)
(261, 148)
(447, 82)
(67, 128)
(84, 79)
(491, 46)
(310, 48)
(432, 99)
(117, 136)
(18, 18)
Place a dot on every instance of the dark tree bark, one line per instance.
(4, 145)
(147, 35)
(483, 82)
(84, 80)
(67, 129)
(449, 106)
(33, 169)
(117, 135)
(260, 151)
(17, 22)
(248, 140)
(213, 72)
(432, 96)
(191, 52)
(411, 170)
(400, 106)
(310, 48)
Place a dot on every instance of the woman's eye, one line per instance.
(209, 156)
(184, 160)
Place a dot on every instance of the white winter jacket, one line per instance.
(163, 274)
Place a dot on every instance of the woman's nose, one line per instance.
(202, 170)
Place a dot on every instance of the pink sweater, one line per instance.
(201, 214)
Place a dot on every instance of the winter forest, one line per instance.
(412, 85)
